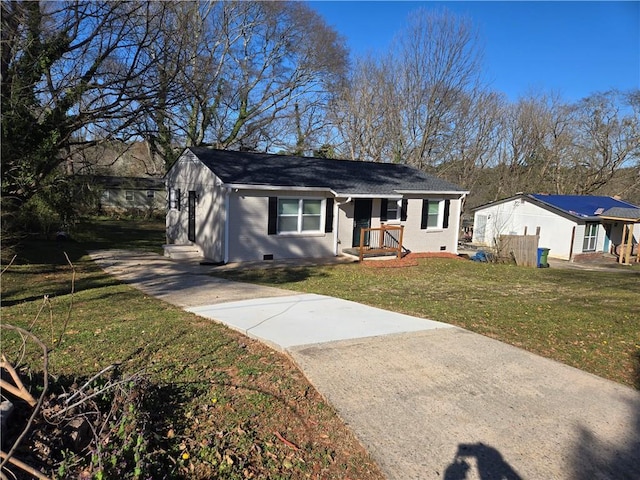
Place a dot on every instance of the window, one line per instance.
(590, 237)
(174, 198)
(393, 210)
(297, 215)
(105, 195)
(128, 195)
(431, 217)
(151, 194)
(435, 214)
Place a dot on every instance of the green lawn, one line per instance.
(210, 402)
(587, 319)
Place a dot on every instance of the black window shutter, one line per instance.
(272, 228)
(384, 205)
(445, 220)
(178, 199)
(425, 214)
(403, 211)
(328, 225)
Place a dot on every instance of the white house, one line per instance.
(240, 206)
(569, 225)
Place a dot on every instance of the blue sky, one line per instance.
(572, 48)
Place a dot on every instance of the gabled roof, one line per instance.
(343, 177)
(583, 207)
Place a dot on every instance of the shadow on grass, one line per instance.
(272, 276)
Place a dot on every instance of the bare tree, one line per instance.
(250, 64)
(608, 138)
(405, 107)
(474, 139)
(365, 112)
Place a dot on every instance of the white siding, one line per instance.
(511, 218)
(248, 230)
(248, 220)
(188, 173)
(431, 239)
(414, 238)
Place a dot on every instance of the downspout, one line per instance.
(462, 198)
(336, 215)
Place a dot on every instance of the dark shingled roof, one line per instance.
(622, 213)
(133, 183)
(341, 176)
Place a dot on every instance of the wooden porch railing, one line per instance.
(384, 239)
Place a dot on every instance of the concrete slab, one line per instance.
(450, 404)
(288, 321)
(180, 283)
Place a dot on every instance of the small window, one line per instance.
(174, 198)
(393, 210)
(105, 195)
(128, 195)
(590, 237)
(151, 194)
(299, 215)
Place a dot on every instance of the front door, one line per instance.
(361, 219)
(191, 234)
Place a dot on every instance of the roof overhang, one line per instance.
(276, 188)
(368, 195)
(433, 192)
(619, 219)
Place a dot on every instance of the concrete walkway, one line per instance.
(429, 401)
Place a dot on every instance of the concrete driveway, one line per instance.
(429, 401)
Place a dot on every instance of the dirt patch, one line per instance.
(410, 260)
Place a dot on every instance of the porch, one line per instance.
(627, 250)
(383, 241)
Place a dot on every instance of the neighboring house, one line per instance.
(569, 225)
(122, 194)
(240, 206)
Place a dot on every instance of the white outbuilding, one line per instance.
(568, 225)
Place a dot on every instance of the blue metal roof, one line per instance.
(582, 205)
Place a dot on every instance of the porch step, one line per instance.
(183, 252)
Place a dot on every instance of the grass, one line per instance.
(587, 319)
(216, 404)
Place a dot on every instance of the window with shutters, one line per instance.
(435, 214)
(393, 210)
(300, 215)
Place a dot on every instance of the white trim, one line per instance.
(300, 216)
(434, 192)
(457, 223)
(336, 220)
(242, 186)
